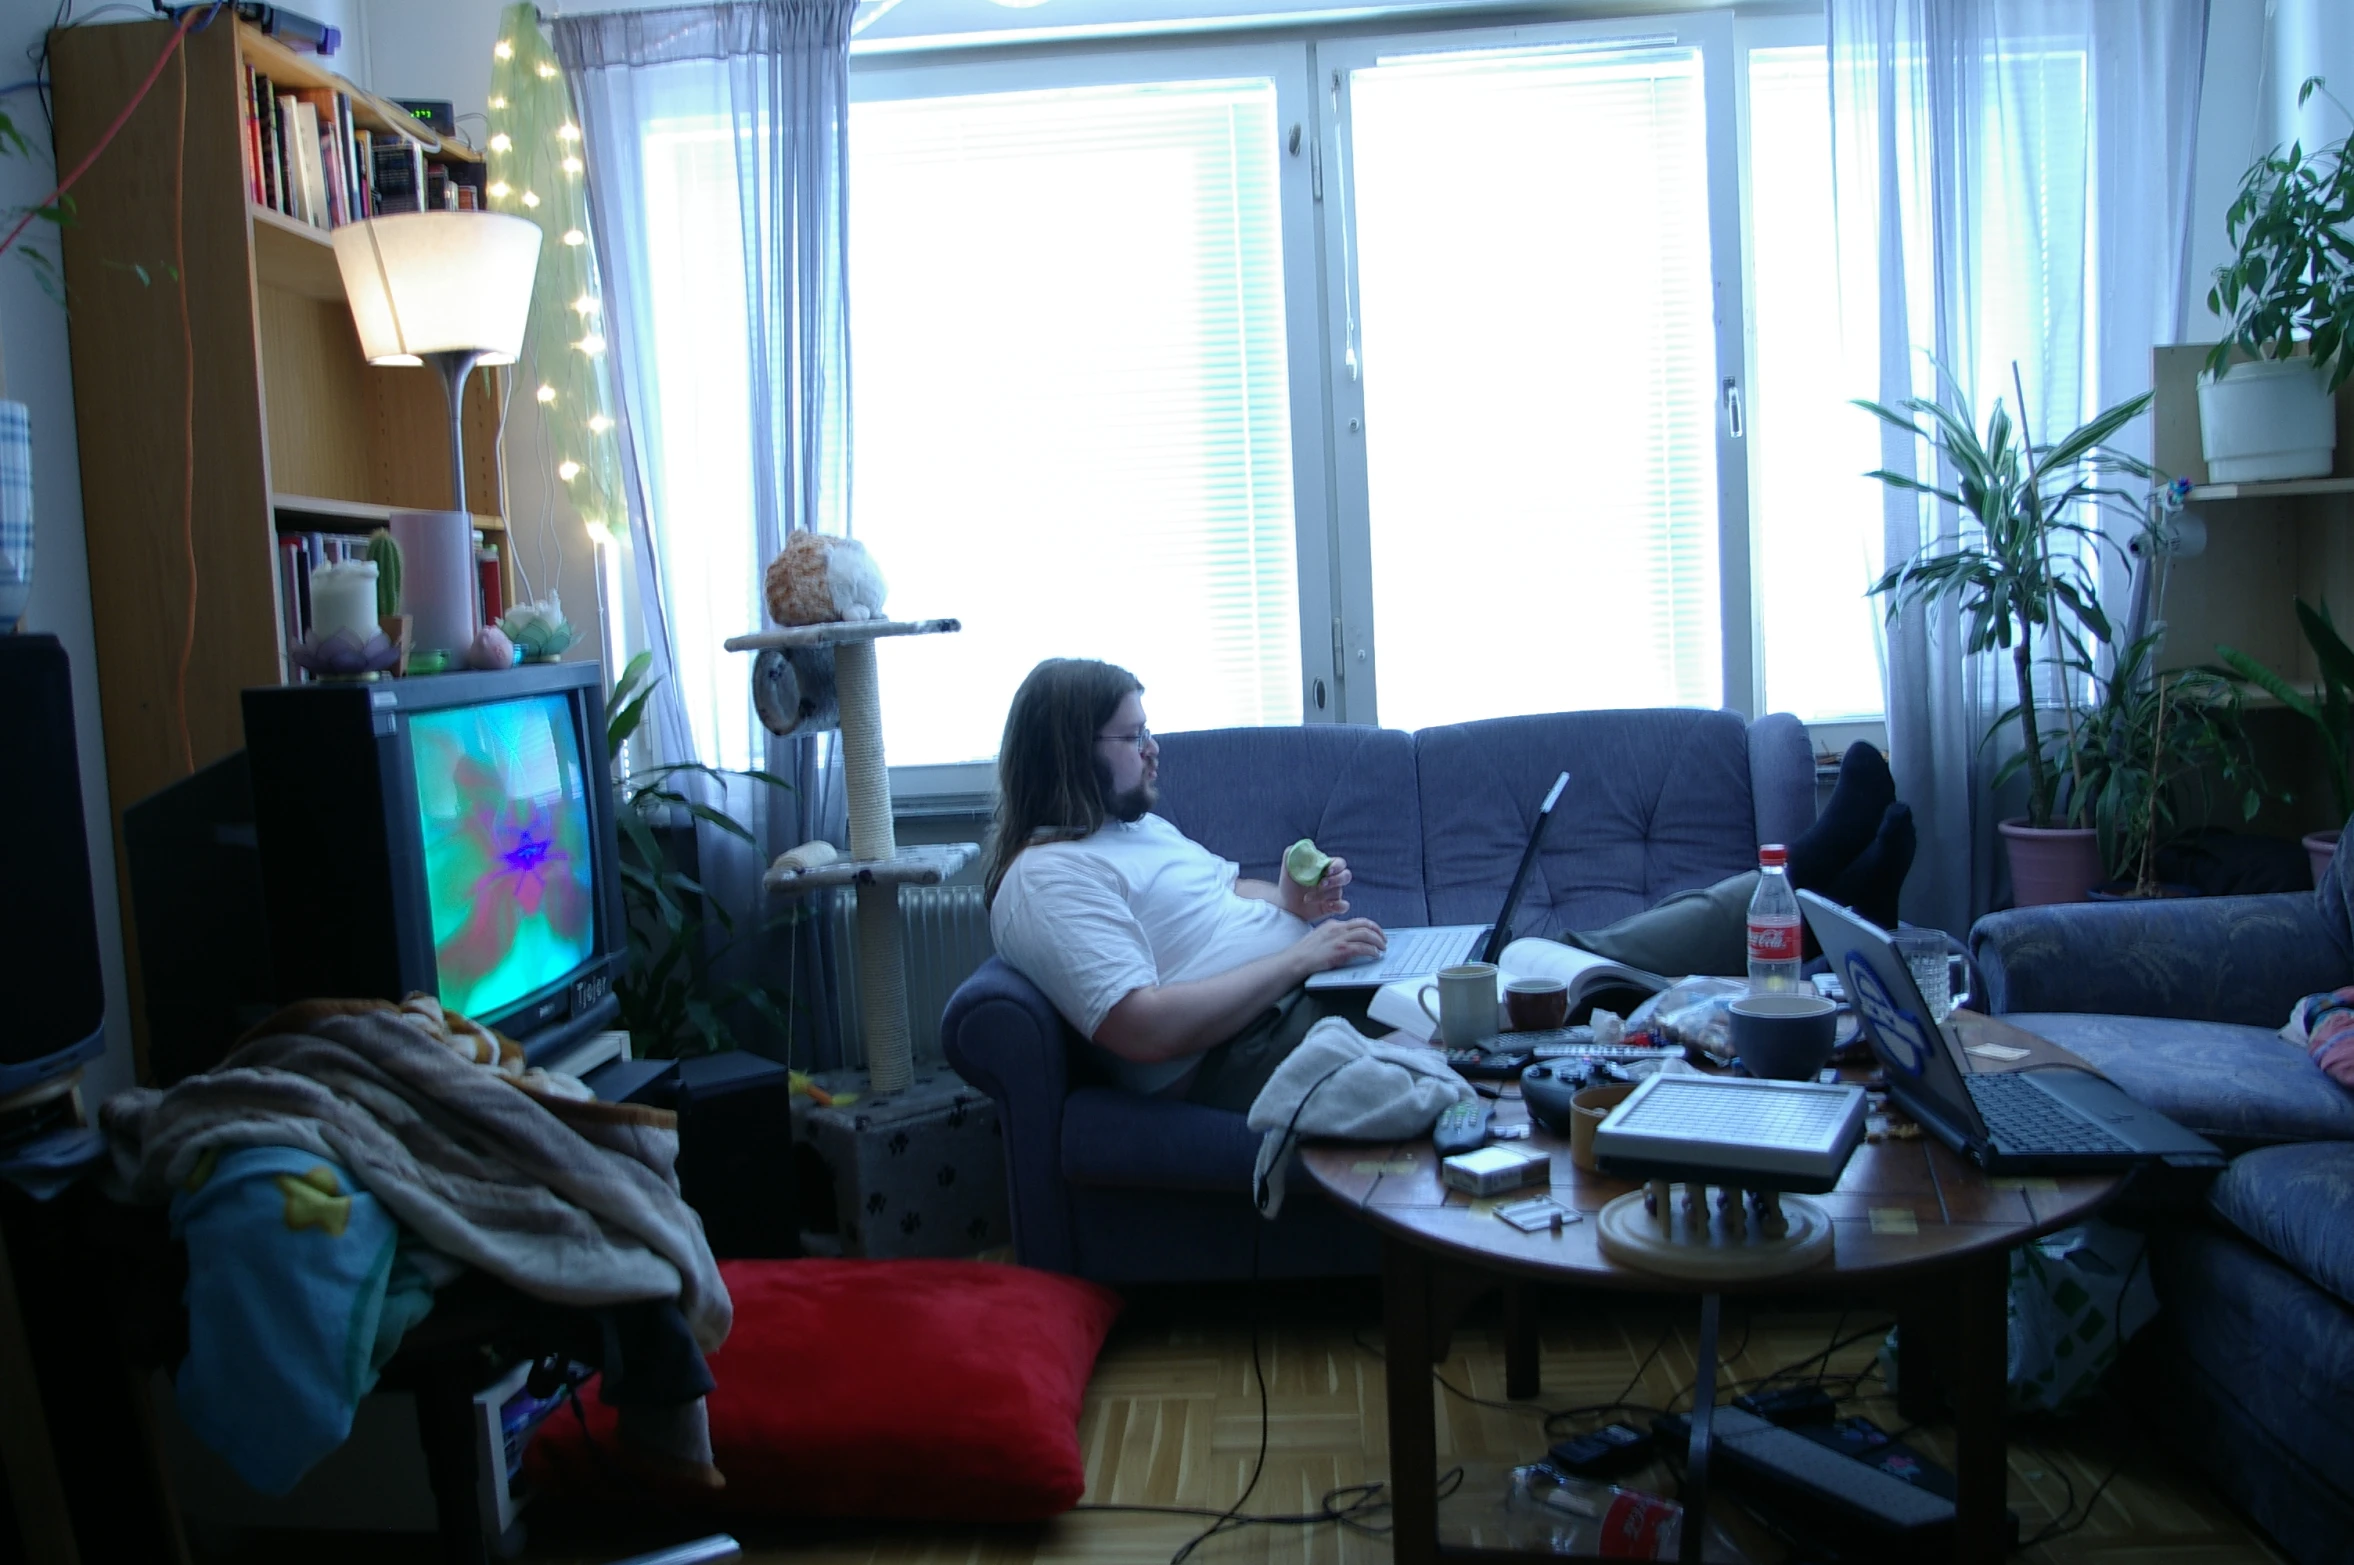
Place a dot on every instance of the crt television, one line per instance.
(450, 835)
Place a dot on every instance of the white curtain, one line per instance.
(717, 141)
(2013, 184)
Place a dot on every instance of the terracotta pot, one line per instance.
(2320, 847)
(2051, 863)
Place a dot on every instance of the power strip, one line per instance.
(1817, 1492)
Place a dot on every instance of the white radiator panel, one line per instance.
(945, 933)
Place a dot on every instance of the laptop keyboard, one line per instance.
(2022, 1117)
(1412, 951)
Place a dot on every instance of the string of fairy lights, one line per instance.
(537, 171)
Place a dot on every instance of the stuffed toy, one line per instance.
(820, 578)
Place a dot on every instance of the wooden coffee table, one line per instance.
(1916, 1227)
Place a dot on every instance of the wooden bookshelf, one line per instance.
(293, 430)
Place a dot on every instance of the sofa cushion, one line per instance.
(1658, 801)
(1246, 794)
(1119, 1138)
(2237, 1086)
(2293, 1201)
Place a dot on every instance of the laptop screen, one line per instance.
(1500, 934)
(1914, 1050)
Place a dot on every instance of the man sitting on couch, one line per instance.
(1188, 981)
(1185, 978)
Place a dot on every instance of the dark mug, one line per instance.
(1784, 1037)
(1536, 1004)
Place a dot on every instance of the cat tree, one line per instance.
(877, 866)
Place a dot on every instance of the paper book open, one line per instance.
(1588, 975)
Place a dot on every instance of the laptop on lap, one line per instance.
(1417, 953)
(2050, 1120)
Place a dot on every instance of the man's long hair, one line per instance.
(1049, 788)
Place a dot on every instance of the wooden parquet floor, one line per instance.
(1172, 1419)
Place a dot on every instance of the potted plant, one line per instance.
(2265, 409)
(670, 1003)
(2022, 569)
(2142, 753)
(2329, 708)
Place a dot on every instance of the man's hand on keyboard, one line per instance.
(1340, 943)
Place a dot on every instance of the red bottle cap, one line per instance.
(1772, 855)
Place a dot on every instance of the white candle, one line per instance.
(343, 597)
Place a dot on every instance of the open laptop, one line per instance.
(2052, 1120)
(1417, 953)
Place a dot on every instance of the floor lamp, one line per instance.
(452, 290)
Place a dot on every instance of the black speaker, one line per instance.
(735, 1152)
(48, 920)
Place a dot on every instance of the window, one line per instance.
(1816, 524)
(1072, 402)
(1532, 260)
(1407, 379)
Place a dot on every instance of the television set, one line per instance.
(451, 836)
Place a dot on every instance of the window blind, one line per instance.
(1070, 410)
(1539, 366)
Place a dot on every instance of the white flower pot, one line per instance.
(2267, 419)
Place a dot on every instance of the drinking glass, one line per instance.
(1928, 955)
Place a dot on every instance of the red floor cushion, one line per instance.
(942, 1390)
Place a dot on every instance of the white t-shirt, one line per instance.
(1135, 905)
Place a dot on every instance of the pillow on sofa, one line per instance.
(934, 1390)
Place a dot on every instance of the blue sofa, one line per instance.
(1123, 1188)
(2252, 1367)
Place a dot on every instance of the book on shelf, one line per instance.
(306, 156)
(1588, 976)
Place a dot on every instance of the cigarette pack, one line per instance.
(1492, 1169)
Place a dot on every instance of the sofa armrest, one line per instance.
(1781, 777)
(2210, 959)
(1004, 1037)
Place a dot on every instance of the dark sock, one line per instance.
(1848, 823)
(1871, 882)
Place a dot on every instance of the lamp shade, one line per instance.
(439, 282)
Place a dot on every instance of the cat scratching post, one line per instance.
(877, 866)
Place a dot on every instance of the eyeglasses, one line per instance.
(1142, 739)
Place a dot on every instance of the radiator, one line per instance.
(944, 935)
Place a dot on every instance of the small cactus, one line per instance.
(387, 555)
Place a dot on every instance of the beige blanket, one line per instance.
(571, 1201)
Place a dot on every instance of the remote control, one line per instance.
(1461, 1128)
(1488, 1065)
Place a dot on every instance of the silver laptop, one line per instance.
(2010, 1121)
(1419, 952)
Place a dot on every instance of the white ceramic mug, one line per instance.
(1467, 1003)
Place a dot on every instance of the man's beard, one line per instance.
(1129, 805)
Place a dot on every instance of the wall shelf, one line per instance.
(2280, 489)
(359, 511)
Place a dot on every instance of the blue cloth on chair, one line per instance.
(297, 1294)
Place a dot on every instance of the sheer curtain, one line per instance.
(2012, 184)
(717, 142)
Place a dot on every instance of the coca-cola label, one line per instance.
(1630, 1528)
(1773, 940)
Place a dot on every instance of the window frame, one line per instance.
(1713, 34)
(1286, 64)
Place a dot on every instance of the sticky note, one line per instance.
(1894, 1220)
(1995, 1051)
(1396, 1165)
(2036, 1184)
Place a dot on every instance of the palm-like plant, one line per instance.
(677, 931)
(2329, 708)
(2025, 565)
(2145, 750)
